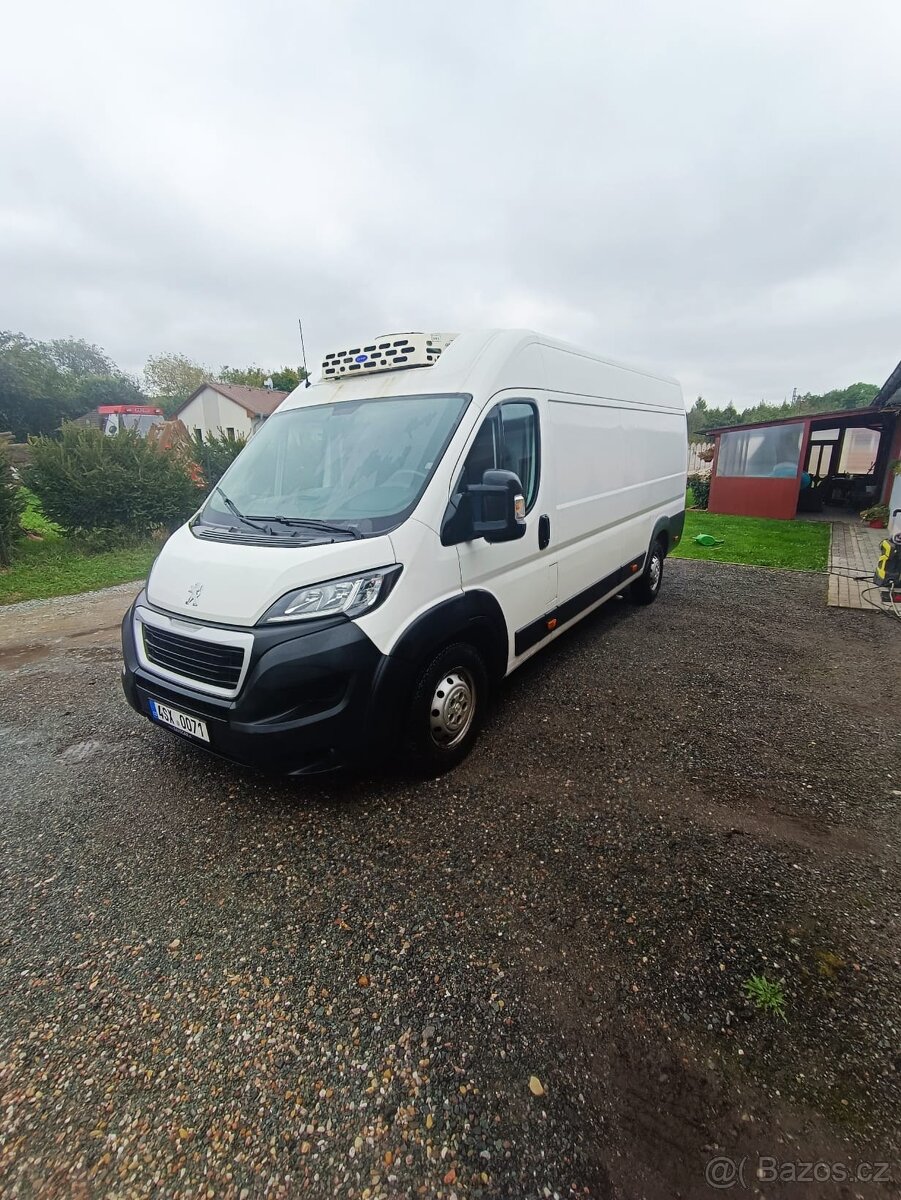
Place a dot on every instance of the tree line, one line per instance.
(45, 383)
(702, 417)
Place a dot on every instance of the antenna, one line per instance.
(306, 373)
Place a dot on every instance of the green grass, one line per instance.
(59, 567)
(758, 541)
(765, 994)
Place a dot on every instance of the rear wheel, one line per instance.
(646, 587)
(448, 707)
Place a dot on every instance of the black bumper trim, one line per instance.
(307, 703)
(536, 631)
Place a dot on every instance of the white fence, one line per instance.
(698, 465)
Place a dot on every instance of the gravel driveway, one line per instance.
(524, 979)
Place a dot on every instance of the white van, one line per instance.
(399, 537)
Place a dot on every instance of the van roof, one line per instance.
(488, 361)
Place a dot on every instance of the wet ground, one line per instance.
(524, 979)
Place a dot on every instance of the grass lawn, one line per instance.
(57, 567)
(797, 545)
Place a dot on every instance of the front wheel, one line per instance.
(448, 708)
(646, 587)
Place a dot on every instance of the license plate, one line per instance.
(179, 720)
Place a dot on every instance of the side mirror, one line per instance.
(498, 507)
(494, 509)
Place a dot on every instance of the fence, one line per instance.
(697, 463)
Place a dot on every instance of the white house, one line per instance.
(228, 409)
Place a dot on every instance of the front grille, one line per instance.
(205, 662)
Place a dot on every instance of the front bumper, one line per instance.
(306, 704)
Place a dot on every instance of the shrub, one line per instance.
(33, 519)
(11, 505)
(700, 487)
(86, 481)
(215, 455)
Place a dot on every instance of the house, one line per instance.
(841, 459)
(228, 409)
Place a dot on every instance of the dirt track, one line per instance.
(209, 978)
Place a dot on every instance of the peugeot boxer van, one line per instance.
(398, 538)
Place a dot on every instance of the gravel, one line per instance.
(523, 979)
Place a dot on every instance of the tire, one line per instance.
(449, 704)
(646, 587)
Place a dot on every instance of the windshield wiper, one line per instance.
(312, 523)
(232, 507)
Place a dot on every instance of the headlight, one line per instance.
(350, 596)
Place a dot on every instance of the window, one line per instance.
(772, 451)
(198, 433)
(859, 451)
(230, 433)
(507, 440)
(363, 462)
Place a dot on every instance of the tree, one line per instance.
(35, 394)
(697, 416)
(78, 358)
(246, 376)
(288, 378)
(171, 378)
(11, 506)
(856, 395)
(285, 379)
(701, 417)
(94, 390)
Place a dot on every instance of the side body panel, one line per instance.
(619, 469)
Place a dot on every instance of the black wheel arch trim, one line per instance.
(474, 617)
(670, 528)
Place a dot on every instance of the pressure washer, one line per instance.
(887, 575)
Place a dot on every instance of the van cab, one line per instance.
(399, 537)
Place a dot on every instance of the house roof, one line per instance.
(257, 402)
(890, 392)
(837, 414)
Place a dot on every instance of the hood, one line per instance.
(232, 584)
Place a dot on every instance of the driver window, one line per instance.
(507, 439)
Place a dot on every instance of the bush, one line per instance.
(33, 519)
(87, 481)
(11, 505)
(215, 455)
(700, 487)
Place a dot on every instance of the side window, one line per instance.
(519, 429)
(507, 439)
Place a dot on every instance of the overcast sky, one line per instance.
(714, 187)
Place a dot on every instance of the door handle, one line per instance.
(544, 532)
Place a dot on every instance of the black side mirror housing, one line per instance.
(498, 507)
(494, 509)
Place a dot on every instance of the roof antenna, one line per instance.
(306, 373)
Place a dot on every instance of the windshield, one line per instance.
(361, 463)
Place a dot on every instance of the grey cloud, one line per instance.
(710, 187)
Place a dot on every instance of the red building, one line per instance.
(805, 463)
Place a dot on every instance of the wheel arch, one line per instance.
(474, 617)
(668, 530)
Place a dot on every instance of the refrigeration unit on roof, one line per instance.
(388, 352)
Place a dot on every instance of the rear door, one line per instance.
(522, 575)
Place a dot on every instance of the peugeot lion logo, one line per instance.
(194, 593)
